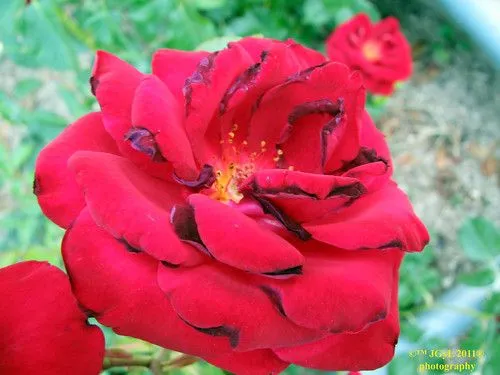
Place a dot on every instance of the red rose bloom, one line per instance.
(235, 206)
(379, 51)
(42, 329)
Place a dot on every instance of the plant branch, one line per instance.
(153, 362)
(143, 361)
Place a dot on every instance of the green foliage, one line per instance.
(419, 280)
(480, 239)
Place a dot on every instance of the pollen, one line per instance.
(226, 185)
(371, 50)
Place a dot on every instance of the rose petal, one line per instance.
(155, 109)
(322, 106)
(120, 288)
(340, 291)
(173, 67)
(204, 90)
(43, 331)
(341, 352)
(132, 205)
(304, 196)
(255, 362)
(372, 165)
(382, 219)
(115, 82)
(237, 240)
(55, 186)
(221, 302)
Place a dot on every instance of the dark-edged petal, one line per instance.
(382, 219)
(114, 82)
(222, 302)
(173, 67)
(121, 290)
(339, 291)
(204, 90)
(237, 240)
(341, 352)
(58, 194)
(304, 196)
(154, 108)
(321, 107)
(132, 205)
(372, 165)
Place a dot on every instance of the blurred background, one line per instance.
(442, 127)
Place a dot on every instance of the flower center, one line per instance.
(371, 50)
(238, 162)
(227, 181)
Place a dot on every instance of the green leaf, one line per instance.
(40, 39)
(343, 15)
(44, 125)
(482, 277)
(402, 364)
(355, 6)
(216, 44)
(492, 304)
(26, 87)
(208, 4)
(188, 28)
(315, 13)
(366, 6)
(479, 239)
(492, 363)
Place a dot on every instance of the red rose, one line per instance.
(42, 330)
(235, 206)
(380, 51)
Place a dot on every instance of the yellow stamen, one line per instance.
(371, 50)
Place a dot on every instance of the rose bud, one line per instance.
(236, 206)
(379, 51)
(42, 329)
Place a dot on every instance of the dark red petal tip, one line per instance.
(275, 298)
(183, 220)
(231, 333)
(128, 246)
(143, 140)
(36, 186)
(304, 75)
(289, 271)
(94, 82)
(354, 190)
(287, 222)
(205, 179)
(365, 156)
(242, 82)
(200, 75)
(316, 106)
